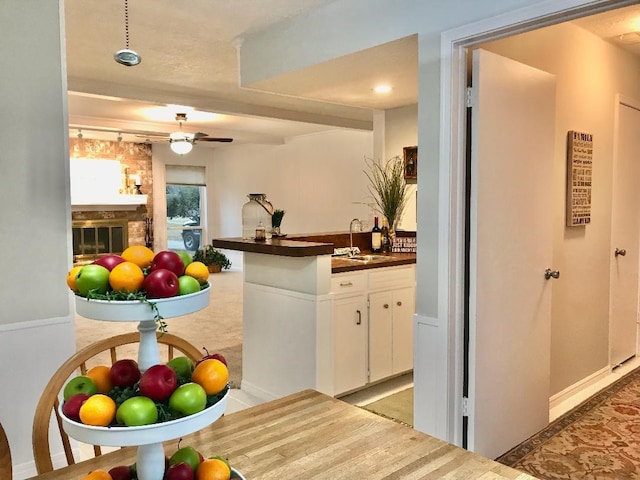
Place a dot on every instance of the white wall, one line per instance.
(589, 72)
(401, 130)
(317, 179)
(36, 324)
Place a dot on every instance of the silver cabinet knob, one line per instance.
(620, 251)
(548, 273)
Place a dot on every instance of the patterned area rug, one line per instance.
(599, 439)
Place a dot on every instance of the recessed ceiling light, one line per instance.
(382, 89)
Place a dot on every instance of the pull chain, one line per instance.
(126, 22)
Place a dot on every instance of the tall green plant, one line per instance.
(388, 187)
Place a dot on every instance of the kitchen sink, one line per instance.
(369, 258)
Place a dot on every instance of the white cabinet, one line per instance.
(390, 332)
(372, 326)
(349, 343)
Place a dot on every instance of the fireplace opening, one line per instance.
(95, 238)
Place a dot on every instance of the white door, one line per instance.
(349, 343)
(510, 249)
(381, 325)
(403, 309)
(625, 228)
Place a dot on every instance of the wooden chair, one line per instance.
(98, 353)
(6, 470)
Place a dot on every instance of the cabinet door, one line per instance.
(403, 310)
(380, 335)
(349, 344)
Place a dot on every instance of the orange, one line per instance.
(126, 276)
(138, 254)
(71, 277)
(100, 375)
(212, 375)
(98, 410)
(98, 475)
(199, 271)
(213, 469)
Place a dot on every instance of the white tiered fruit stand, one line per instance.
(150, 461)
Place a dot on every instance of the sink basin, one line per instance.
(369, 258)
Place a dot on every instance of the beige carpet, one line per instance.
(218, 327)
(397, 407)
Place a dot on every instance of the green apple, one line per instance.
(79, 384)
(185, 256)
(92, 277)
(188, 455)
(183, 366)
(187, 284)
(136, 411)
(188, 399)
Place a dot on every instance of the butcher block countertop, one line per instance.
(317, 244)
(308, 435)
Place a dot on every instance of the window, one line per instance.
(186, 198)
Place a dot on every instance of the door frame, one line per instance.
(451, 197)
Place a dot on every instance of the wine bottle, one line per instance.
(385, 238)
(376, 237)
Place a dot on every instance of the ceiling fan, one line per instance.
(182, 142)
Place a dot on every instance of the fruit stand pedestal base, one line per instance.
(148, 352)
(150, 462)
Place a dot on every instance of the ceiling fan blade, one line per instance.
(213, 139)
(159, 135)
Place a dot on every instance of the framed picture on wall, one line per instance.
(410, 162)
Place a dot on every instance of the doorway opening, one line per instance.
(453, 178)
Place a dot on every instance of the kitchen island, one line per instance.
(313, 321)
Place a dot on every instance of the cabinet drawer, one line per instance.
(347, 283)
(392, 277)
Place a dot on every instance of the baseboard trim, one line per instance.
(576, 388)
(257, 392)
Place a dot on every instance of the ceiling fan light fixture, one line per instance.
(181, 147)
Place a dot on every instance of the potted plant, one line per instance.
(214, 259)
(388, 188)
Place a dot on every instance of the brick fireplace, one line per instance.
(100, 229)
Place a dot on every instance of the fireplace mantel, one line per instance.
(117, 202)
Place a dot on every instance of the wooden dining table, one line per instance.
(309, 435)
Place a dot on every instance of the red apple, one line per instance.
(158, 382)
(109, 261)
(121, 472)
(217, 356)
(71, 408)
(161, 283)
(179, 471)
(124, 373)
(168, 260)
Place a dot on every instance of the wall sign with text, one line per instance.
(579, 178)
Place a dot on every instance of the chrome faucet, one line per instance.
(355, 225)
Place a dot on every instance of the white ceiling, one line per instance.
(189, 59)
